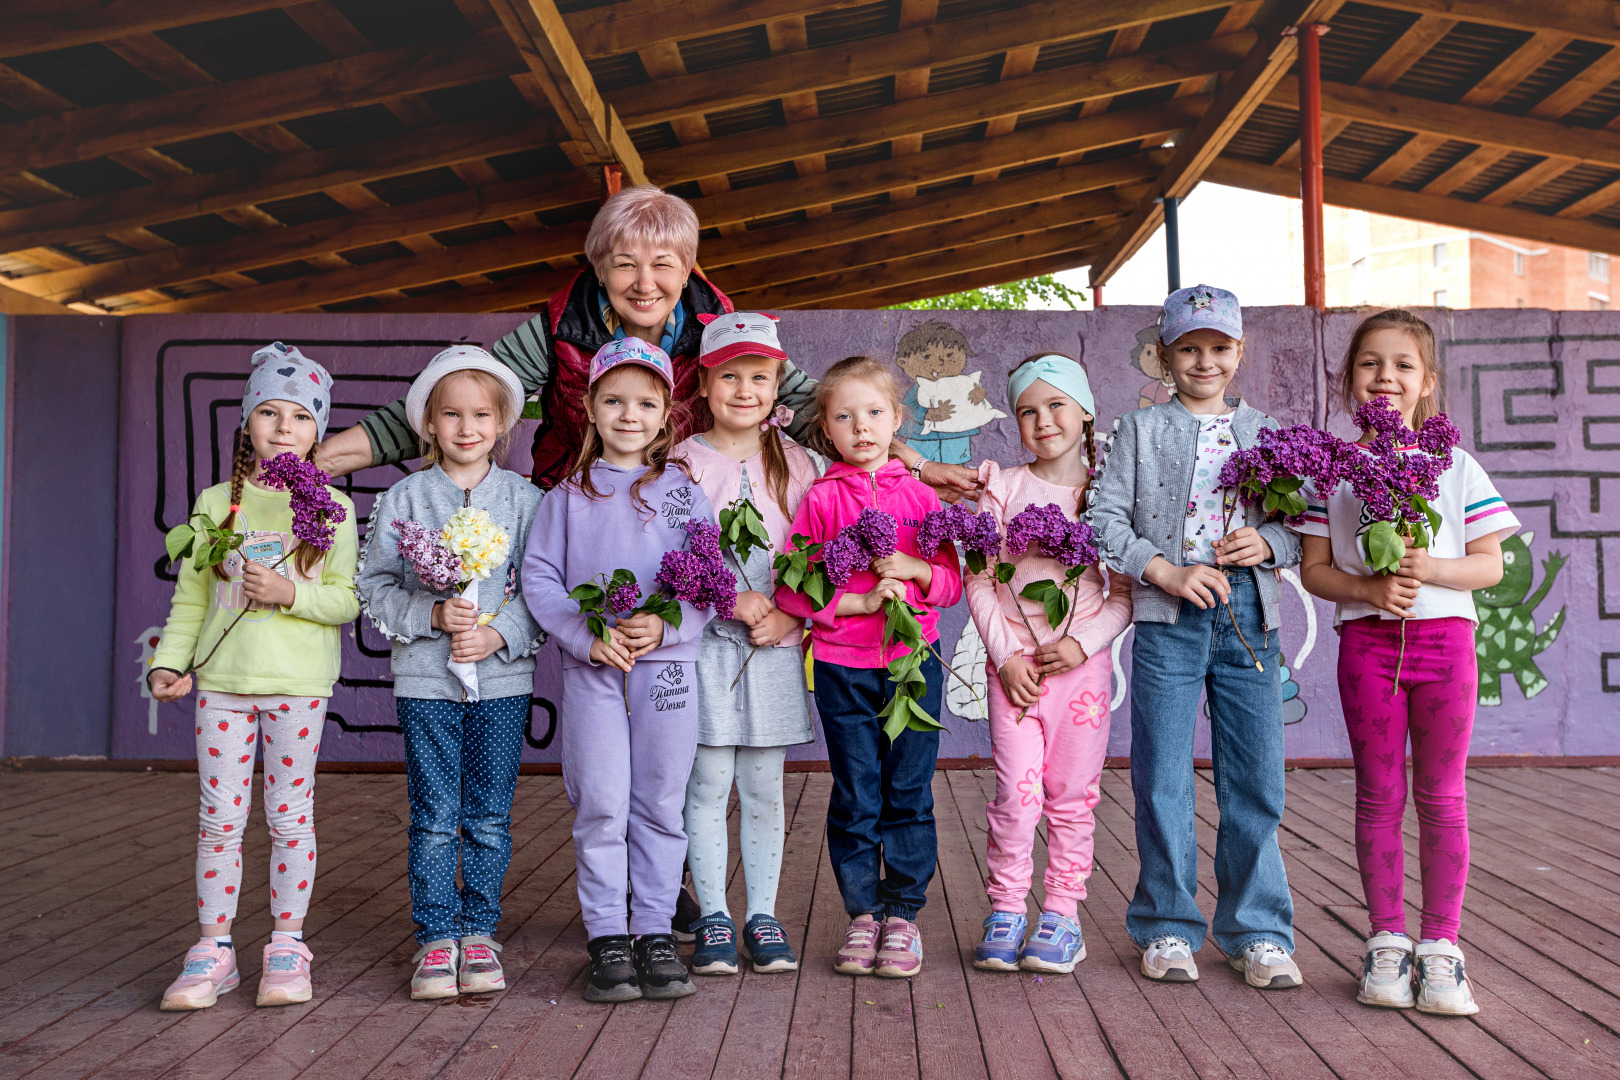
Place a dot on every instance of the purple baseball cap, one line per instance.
(632, 350)
(1202, 307)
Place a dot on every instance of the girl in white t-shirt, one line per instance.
(1392, 354)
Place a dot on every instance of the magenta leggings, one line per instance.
(1434, 706)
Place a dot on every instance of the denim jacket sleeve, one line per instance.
(1113, 503)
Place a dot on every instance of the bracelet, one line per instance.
(917, 468)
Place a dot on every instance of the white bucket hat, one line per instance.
(460, 358)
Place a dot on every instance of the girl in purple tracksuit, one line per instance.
(629, 715)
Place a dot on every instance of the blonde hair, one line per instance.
(647, 213)
(498, 393)
(1422, 335)
(865, 369)
(656, 455)
(777, 473)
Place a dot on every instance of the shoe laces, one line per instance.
(200, 966)
(478, 954)
(1385, 963)
(282, 961)
(860, 935)
(438, 958)
(897, 940)
(769, 933)
(1440, 972)
(717, 933)
(617, 952)
(660, 950)
(1049, 929)
(1002, 929)
(1267, 953)
(1168, 942)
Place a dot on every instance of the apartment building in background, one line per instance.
(1392, 262)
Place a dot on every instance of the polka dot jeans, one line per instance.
(229, 727)
(461, 767)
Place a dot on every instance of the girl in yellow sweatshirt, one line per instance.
(269, 678)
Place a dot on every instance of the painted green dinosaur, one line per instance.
(1506, 640)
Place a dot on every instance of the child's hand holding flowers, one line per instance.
(263, 585)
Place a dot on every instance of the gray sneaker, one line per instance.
(1442, 985)
(1267, 966)
(1169, 958)
(1386, 972)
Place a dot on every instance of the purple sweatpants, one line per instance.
(625, 773)
(1434, 705)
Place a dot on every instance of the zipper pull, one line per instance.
(466, 497)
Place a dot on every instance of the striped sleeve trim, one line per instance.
(1488, 508)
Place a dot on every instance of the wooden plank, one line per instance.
(1402, 161)
(36, 25)
(938, 112)
(13, 302)
(901, 292)
(908, 50)
(1408, 49)
(1504, 221)
(1266, 63)
(509, 295)
(1515, 69)
(85, 134)
(1590, 20)
(633, 25)
(1535, 176)
(297, 174)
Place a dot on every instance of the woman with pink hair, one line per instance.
(641, 282)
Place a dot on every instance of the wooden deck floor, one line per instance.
(96, 891)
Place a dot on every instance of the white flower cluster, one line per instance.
(481, 544)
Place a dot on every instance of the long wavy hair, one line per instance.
(1422, 336)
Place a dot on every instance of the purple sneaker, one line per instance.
(209, 972)
(902, 953)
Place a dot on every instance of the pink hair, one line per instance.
(642, 213)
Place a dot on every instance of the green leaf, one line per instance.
(1005, 572)
(1384, 547)
(598, 626)
(1284, 485)
(1292, 505)
(1036, 590)
(819, 588)
(975, 562)
(1269, 503)
(1057, 606)
(1433, 515)
(178, 541)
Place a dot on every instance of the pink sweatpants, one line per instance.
(228, 730)
(1434, 705)
(1050, 763)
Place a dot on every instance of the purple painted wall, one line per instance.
(1528, 390)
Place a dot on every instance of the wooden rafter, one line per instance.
(1501, 220)
(908, 50)
(1592, 20)
(36, 25)
(904, 291)
(632, 25)
(1261, 70)
(512, 293)
(361, 80)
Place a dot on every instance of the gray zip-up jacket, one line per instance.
(1139, 502)
(401, 607)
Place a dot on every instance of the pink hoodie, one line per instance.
(720, 477)
(1097, 620)
(835, 501)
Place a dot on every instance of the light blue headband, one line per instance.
(1059, 372)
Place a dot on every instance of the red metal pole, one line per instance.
(1096, 297)
(612, 180)
(1310, 161)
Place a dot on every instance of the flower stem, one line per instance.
(1400, 658)
(1258, 666)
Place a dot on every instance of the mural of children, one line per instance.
(1146, 359)
(947, 406)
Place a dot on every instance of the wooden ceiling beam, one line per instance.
(28, 26)
(513, 292)
(923, 267)
(949, 162)
(1590, 20)
(1515, 69)
(837, 258)
(891, 54)
(288, 243)
(935, 207)
(542, 39)
(481, 256)
(297, 174)
(1416, 206)
(1419, 38)
(15, 302)
(1535, 176)
(85, 134)
(937, 112)
(954, 283)
(1262, 69)
(1402, 161)
(633, 25)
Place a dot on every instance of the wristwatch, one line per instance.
(917, 467)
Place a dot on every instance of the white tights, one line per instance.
(757, 771)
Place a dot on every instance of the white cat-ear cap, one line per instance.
(461, 358)
(741, 333)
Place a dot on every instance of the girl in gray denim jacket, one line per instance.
(1206, 622)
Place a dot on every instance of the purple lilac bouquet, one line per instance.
(436, 566)
(978, 534)
(1272, 471)
(315, 513)
(1397, 487)
(1071, 543)
(697, 575)
(872, 537)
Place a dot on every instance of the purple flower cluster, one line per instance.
(873, 536)
(1438, 436)
(976, 532)
(1384, 420)
(315, 512)
(1300, 451)
(1071, 543)
(1388, 480)
(437, 566)
(624, 598)
(698, 575)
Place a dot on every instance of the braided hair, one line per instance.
(244, 463)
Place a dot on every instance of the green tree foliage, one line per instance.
(1013, 296)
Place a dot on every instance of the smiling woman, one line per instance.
(642, 282)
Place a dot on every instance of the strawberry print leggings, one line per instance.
(228, 730)
(1434, 706)
(1049, 763)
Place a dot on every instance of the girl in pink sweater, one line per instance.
(1049, 706)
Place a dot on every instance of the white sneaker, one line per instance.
(1442, 986)
(435, 975)
(1386, 972)
(1169, 959)
(1268, 966)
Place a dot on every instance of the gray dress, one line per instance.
(769, 705)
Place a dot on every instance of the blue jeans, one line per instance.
(461, 767)
(1170, 664)
(880, 818)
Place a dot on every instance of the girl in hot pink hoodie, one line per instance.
(880, 819)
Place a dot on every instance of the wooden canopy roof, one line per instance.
(447, 155)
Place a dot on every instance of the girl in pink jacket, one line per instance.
(1049, 706)
(880, 818)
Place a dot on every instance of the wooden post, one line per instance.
(612, 180)
(1310, 162)
(1172, 243)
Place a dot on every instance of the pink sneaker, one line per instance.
(901, 956)
(480, 968)
(860, 950)
(285, 980)
(209, 972)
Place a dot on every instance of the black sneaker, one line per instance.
(613, 970)
(768, 946)
(716, 952)
(659, 969)
(687, 914)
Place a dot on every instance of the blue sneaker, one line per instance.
(767, 945)
(1003, 936)
(1055, 946)
(716, 952)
